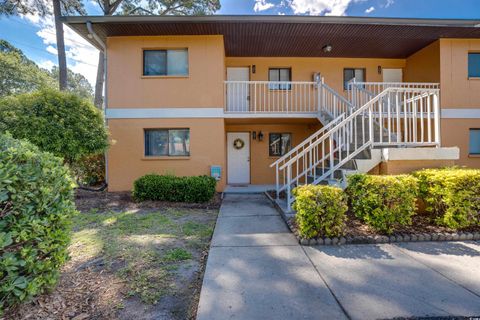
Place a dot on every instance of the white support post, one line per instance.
(277, 183)
(436, 111)
(289, 191)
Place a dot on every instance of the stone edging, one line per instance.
(377, 239)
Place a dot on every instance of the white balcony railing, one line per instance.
(272, 97)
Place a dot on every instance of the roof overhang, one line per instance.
(289, 36)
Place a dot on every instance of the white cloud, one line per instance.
(82, 57)
(46, 64)
(388, 3)
(320, 7)
(262, 5)
(369, 10)
(52, 50)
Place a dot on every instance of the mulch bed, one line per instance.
(355, 228)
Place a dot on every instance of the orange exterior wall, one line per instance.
(424, 65)
(303, 68)
(126, 160)
(408, 166)
(260, 161)
(458, 91)
(455, 132)
(203, 87)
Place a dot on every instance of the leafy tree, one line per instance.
(160, 7)
(43, 8)
(57, 122)
(76, 83)
(18, 74)
(171, 7)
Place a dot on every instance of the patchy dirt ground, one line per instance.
(130, 261)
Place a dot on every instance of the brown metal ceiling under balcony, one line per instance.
(290, 36)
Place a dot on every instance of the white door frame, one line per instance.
(394, 70)
(246, 138)
(240, 96)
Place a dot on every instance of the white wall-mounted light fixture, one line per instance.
(327, 48)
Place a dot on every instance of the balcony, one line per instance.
(282, 98)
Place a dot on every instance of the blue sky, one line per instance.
(36, 37)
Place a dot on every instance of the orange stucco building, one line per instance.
(185, 94)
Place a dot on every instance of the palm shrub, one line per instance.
(36, 204)
(320, 211)
(451, 195)
(58, 122)
(383, 202)
(174, 189)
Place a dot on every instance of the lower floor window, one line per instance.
(167, 142)
(474, 147)
(279, 144)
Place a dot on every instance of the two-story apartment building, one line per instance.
(279, 99)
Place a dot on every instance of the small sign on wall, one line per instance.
(216, 172)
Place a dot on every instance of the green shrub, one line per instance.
(57, 122)
(89, 170)
(175, 189)
(36, 204)
(383, 202)
(320, 211)
(451, 195)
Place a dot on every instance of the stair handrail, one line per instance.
(314, 136)
(336, 127)
(347, 139)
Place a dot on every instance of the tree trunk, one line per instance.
(62, 60)
(98, 101)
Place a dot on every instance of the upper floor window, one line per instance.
(474, 65)
(279, 75)
(167, 142)
(172, 62)
(474, 147)
(350, 73)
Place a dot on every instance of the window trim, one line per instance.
(142, 71)
(353, 68)
(468, 66)
(289, 78)
(472, 154)
(167, 156)
(269, 143)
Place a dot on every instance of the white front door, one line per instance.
(237, 93)
(392, 75)
(238, 157)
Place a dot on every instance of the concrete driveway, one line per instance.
(257, 270)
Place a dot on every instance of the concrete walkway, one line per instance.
(257, 270)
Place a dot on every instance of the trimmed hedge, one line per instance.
(383, 202)
(36, 205)
(451, 195)
(174, 189)
(320, 211)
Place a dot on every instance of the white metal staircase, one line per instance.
(375, 115)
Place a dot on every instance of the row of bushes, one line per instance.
(174, 189)
(451, 197)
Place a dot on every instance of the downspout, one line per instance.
(93, 35)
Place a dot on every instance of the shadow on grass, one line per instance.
(152, 251)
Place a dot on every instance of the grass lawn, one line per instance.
(142, 262)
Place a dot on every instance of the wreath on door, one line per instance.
(238, 144)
